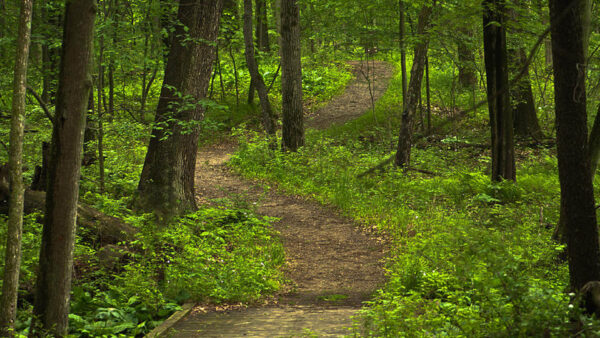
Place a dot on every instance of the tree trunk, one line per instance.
(291, 77)
(251, 91)
(167, 182)
(40, 176)
(414, 90)
(401, 37)
(100, 115)
(166, 24)
(52, 297)
(262, 27)
(577, 194)
(267, 110)
(89, 135)
(496, 67)
(594, 144)
(586, 24)
(235, 74)
(50, 55)
(466, 59)
(547, 43)
(428, 95)
(12, 258)
(526, 122)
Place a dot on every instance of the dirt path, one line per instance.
(327, 256)
(356, 99)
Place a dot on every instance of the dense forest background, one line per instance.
(477, 166)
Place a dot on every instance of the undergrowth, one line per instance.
(213, 255)
(467, 257)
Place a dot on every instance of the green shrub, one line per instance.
(468, 257)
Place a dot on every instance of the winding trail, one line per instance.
(327, 255)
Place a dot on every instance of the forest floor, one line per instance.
(332, 264)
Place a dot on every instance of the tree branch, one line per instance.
(42, 104)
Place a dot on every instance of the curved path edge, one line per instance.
(327, 256)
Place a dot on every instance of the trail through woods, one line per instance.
(326, 254)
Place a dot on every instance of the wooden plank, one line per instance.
(167, 324)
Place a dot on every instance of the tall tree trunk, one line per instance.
(466, 59)
(52, 297)
(586, 24)
(524, 111)
(547, 43)
(401, 37)
(235, 74)
(218, 62)
(267, 110)
(414, 90)
(594, 144)
(496, 67)
(251, 91)
(50, 54)
(12, 258)
(291, 77)
(428, 95)
(577, 194)
(100, 115)
(166, 24)
(167, 182)
(276, 8)
(89, 135)
(526, 122)
(262, 27)
(113, 12)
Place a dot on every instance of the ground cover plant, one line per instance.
(468, 257)
(221, 254)
(213, 255)
(487, 235)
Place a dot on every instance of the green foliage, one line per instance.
(468, 257)
(212, 255)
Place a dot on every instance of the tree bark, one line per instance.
(100, 115)
(577, 194)
(50, 55)
(40, 176)
(594, 144)
(291, 77)
(259, 83)
(401, 37)
(525, 118)
(496, 67)
(166, 23)
(89, 152)
(12, 258)
(51, 306)
(262, 27)
(413, 94)
(466, 59)
(167, 181)
(526, 122)
(428, 94)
